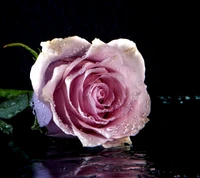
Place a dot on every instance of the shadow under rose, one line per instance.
(94, 163)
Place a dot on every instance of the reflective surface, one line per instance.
(94, 163)
(167, 147)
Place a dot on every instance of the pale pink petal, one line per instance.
(57, 77)
(99, 51)
(132, 59)
(52, 51)
(61, 116)
(68, 122)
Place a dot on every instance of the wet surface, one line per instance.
(168, 147)
(106, 163)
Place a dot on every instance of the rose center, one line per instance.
(100, 95)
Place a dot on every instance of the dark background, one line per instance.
(166, 34)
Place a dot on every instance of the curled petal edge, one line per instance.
(118, 142)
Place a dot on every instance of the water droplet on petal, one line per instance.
(123, 123)
(136, 93)
(147, 101)
(144, 114)
(110, 129)
(126, 130)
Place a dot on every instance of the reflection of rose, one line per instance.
(108, 163)
(93, 91)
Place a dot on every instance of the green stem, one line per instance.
(24, 46)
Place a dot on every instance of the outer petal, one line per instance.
(55, 131)
(117, 142)
(99, 51)
(132, 59)
(42, 111)
(57, 49)
(120, 56)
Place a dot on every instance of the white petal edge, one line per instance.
(56, 49)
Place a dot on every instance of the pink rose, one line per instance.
(93, 91)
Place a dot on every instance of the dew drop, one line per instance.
(110, 129)
(62, 168)
(126, 130)
(10, 115)
(136, 93)
(133, 128)
(144, 114)
(147, 101)
(116, 131)
(7, 126)
(16, 112)
(13, 103)
(131, 108)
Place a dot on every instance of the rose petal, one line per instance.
(133, 121)
(132, 59)
(69, 124)
(42, 111)
(49, 88)
(99, 51)
(144, 103)
(55, 131)
(118, 142)
(52, 51)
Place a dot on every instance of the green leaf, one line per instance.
(12, 107)
(36, 126)
(5, 128)
(24, 46)
(9, 93)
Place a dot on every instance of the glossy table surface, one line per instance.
(168, 146)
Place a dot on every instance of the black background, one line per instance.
(166, 34)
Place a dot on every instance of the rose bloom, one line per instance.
(95, 92)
